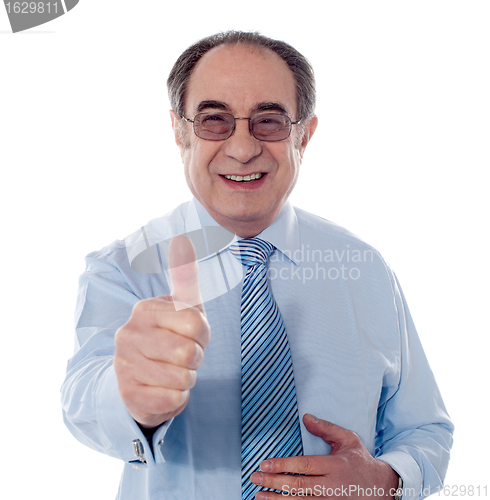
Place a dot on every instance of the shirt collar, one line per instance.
(283, 233)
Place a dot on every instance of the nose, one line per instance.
(242, 145)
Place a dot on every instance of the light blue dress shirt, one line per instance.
(357, 359)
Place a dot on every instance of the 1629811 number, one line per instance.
(32, 7)
(462, 490)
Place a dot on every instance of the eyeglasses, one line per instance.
(270, 127)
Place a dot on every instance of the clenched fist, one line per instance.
(162, 344)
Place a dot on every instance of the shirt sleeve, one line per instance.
(92, 408)
(414, 431)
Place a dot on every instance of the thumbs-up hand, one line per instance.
(162, 344)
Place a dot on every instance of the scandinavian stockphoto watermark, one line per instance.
(320, 264)
(356, 491)
(25, 15)
(220, 272)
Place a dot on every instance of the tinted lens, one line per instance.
(271, 127)
(214, 126)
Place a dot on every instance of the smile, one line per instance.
(246, 178)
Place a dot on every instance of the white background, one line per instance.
(401, 157)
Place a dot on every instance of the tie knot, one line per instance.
(252, 251)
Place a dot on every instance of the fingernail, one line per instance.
(314, 418)
(266, 466)
(257, 478)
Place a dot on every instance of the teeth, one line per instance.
(246, 178)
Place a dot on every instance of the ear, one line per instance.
(308, 132)
(177, 128)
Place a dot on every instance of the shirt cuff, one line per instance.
(121, 429)
(116, 423)
(408, 469)
(158, 441)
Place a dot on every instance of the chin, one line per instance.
(246, 214)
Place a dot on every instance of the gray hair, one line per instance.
(302, 70)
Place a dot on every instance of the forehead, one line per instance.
(242, 77)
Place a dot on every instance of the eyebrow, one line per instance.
(260, 107)
(212, 105)
(270, 106)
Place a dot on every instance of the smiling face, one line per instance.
(242, 81)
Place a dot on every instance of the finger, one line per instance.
(309, 464)
(270, 495)
(160, 312)
(166, 375)
(150, 406)
(331, 433)
(315, 494)
(285, 482)
(183, 270)
(173, 348)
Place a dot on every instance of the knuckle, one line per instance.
(122, 335)
(126, 350)
(193, 323)
(206, 332)
(305, 465)
(192, 379)
(176, 398)
(300, 483)
(141, 307)
(127, 336)
(189, 379)
(198, 356)
(187, 353)
(149, 309)
(119, 364)
(126, 392)
(342, 462)
(353, 437)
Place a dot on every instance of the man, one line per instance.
(243, 114)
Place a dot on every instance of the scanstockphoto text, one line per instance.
(356, 491)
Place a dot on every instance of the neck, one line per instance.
(244, 228)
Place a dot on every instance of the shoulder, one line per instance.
(325, 230)
(336, 245)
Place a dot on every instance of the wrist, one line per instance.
(390, 481)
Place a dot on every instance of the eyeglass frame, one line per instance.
(291, 123)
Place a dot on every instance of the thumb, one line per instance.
(184, 275)
(332, 434)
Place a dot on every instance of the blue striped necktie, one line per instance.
(270, 423)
